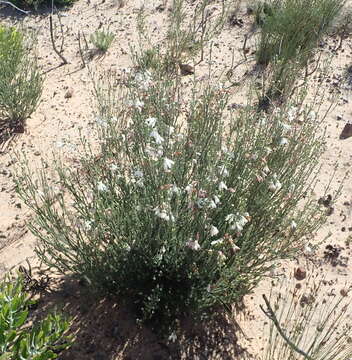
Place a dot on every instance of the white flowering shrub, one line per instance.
(186, 205)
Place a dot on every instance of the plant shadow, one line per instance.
(106, 331)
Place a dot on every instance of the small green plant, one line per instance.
(292, 28)
(43, 340)
(20, 80)
(308, 321)
(290, 33)
(102, 40)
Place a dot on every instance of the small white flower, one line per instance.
(237, 221)
(101, 186)
(254, 156)
(223, 171)
(292, 113)
(216, 199)
(212, 204)
(162, 214)
(292, 188)
(221, 257)
(308, 250)
(237, 226)
(262, 121)
(222, 186)
(268, 150)
(217, 242)
(138, 174)
(155, 154)
(138, 104)
(171, 130)
(193, 244)
(312, 115)
(151, 121)
(156, 136)
(293, 225)
(113, 167)
(189, 188)
(173, 337)
(102, 122)
(88, 225)
(266, 170)
(283, 141)
(230, 218)
(143, 79)
(161, 253)
(213, 230)
(274, 184)
(168, 164)
(175, 190)
(286, 127)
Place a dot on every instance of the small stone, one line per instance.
(69, 93)
(343, 292)
(18, 205)
(300, 273)
(346, 132)
(339, 117)
(186, 69)
(36, 153)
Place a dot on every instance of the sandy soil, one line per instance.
(66, 108)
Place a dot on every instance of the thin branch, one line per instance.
(14, 6)
(85, 41)
(307, 73)
(53, 41)
(62, 33)
(80, 50)
(271, 315)
(244, 46)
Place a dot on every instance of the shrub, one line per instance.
(290, 32)
(37, 4)
(20, 80)
(291, 29)
(185, 206)
(43, 340)
(102, 40)
(308, 322)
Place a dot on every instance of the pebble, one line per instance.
(300, 273)
(69, 93)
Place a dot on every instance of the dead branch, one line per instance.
(244, 46)
(64, 61)
(307, 73)
(80, 50)
(62, 33)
